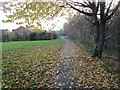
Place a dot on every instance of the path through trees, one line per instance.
(76, 69)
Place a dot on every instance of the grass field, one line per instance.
(7, 46)
(30, 64)
(63, 36)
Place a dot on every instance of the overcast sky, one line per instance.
(9, 26)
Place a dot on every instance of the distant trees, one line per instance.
(31, 37)
(7, 37)
(43, 36)
(34, 36)
(78, 28)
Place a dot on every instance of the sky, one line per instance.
(9, 26)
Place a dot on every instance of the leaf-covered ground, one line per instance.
(46, 65)
(91, 72)
(77, 70)
(30, 67)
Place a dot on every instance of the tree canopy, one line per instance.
(32, 13)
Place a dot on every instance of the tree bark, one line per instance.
(97, 35)
(101, 38)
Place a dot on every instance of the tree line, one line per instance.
(29, 37)
(99, 14)
(81, 30)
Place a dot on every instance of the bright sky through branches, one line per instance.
(58, 21)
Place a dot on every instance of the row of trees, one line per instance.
(29, 37)
(80, 29)
(43, 36)
(99, 14)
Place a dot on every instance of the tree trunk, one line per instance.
(96, 38)
(101, 39)
(97, 34)
(100, 32)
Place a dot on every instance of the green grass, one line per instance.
(29, 64)
(18, 45)
(63, 36)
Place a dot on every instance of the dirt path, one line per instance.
(65, 67)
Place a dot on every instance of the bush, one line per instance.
(8, 37)
(55, 36)
(49, 36)
(42, 35)
(5, 38)
(34, 36)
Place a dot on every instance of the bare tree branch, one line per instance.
(102, 9)
(80, 4)
(89, 20)
(97, 8)
(113, 11)
(108, 37)
(108, 9)
(86, 13)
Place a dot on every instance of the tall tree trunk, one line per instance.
(97, 34)
(100, 32)
(101, 38)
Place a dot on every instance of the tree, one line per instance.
(79, 29)
(114, 31)
(34, 36)
(31, 13)
(100, 14)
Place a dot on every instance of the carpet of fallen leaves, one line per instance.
(91, 73)
(30, 68)
(37, 68)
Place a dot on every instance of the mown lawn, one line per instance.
(30, 64)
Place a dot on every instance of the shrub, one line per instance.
(8, 37)
(5, 38)
(34, 36)
(42, 35)
(55, 36)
